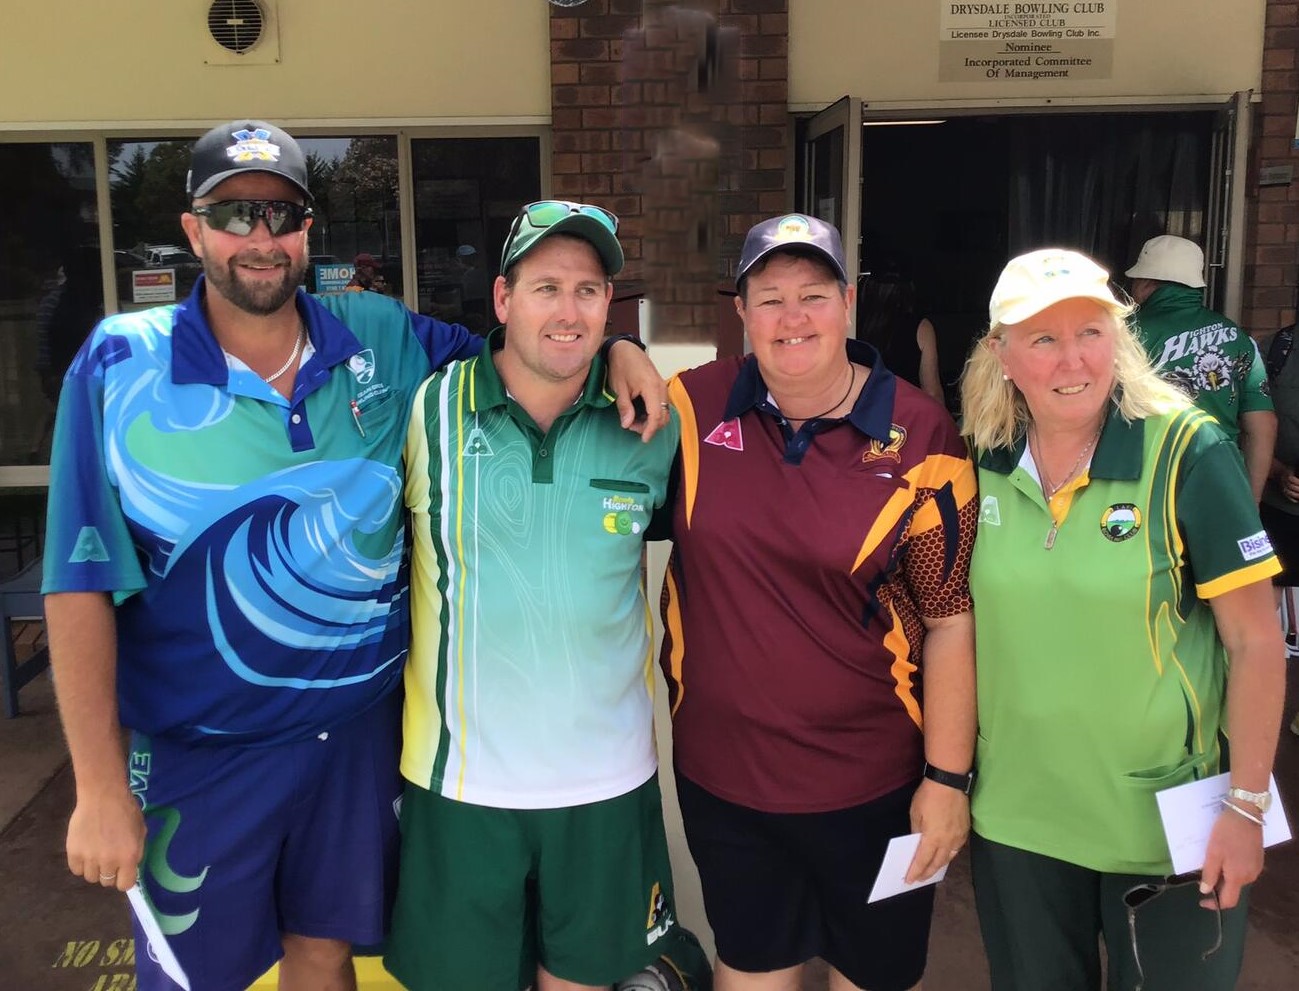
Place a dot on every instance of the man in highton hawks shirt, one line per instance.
(1201, 351)
(532, 834)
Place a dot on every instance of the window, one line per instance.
(356, 235)
(146, 181)
(467, 193)
(51, 288)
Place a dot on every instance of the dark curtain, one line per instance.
(1104, 184)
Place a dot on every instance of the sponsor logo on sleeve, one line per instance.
(89, 547)
(1255, 546)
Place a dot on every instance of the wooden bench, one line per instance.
(20, 599)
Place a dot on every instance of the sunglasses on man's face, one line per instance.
(239, 217)
(547, 213)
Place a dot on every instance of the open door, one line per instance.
(831, 187)
(1224, 236)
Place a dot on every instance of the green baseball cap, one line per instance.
(536, 221)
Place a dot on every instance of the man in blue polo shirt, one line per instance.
(224, 571)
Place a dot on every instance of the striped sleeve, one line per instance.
(1224, 542)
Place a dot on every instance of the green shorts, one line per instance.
(486, 894)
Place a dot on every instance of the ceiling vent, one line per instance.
(242, 32)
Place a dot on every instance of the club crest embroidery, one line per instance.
(727, 434)
(1120, 522)
(793, 228)
(253, 145)
(361, 365)
(892, 451)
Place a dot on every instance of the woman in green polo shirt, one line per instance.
(1120, 571)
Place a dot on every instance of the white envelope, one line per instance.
(893, 871)
(1190, 810)
(157, 942)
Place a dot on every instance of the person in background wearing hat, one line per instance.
(532, 828)
(817, 616)
(1202, 352)
(1125, 632)
(365, 273)
(224, 577)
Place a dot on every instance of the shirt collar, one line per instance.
(1118, 452)
(196, 357)
(872, 413)
(486, 389)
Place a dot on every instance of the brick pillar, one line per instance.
(1272, 215)
(675, 117)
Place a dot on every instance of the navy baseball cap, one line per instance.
(244, 146)
(792, 231)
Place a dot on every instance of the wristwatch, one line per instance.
(964, 783)
(1262, 800)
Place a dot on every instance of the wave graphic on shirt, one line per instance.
(235, 551)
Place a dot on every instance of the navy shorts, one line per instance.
(246, 843)
(782, 888)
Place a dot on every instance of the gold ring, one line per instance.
(108, 877)
(665, 405)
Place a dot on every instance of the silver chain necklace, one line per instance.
(293, 357)
(1049, 489)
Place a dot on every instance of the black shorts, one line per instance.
(1283, 530)
(782, 888)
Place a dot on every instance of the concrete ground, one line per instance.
(60, 934)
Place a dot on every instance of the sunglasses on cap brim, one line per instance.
(239, 217)
(547, 213)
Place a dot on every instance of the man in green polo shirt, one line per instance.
(533, 843)
(1202, 352)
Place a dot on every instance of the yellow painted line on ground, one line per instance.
(370, 976)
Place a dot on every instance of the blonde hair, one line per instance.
(995, 414)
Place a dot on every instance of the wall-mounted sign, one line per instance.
(333, 278)
(1026, 40)
(1276, 175)
(153, 285)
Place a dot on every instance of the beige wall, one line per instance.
(77, 61)
(886, 51)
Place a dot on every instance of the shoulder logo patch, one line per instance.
(727, 434)
(1120, 522)
(1255, 546)
(892, 451)
(990, 512)
(89, 547)
(361, 365)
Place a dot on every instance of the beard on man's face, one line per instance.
(256, 297)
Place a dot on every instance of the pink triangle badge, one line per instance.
(727, 434)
